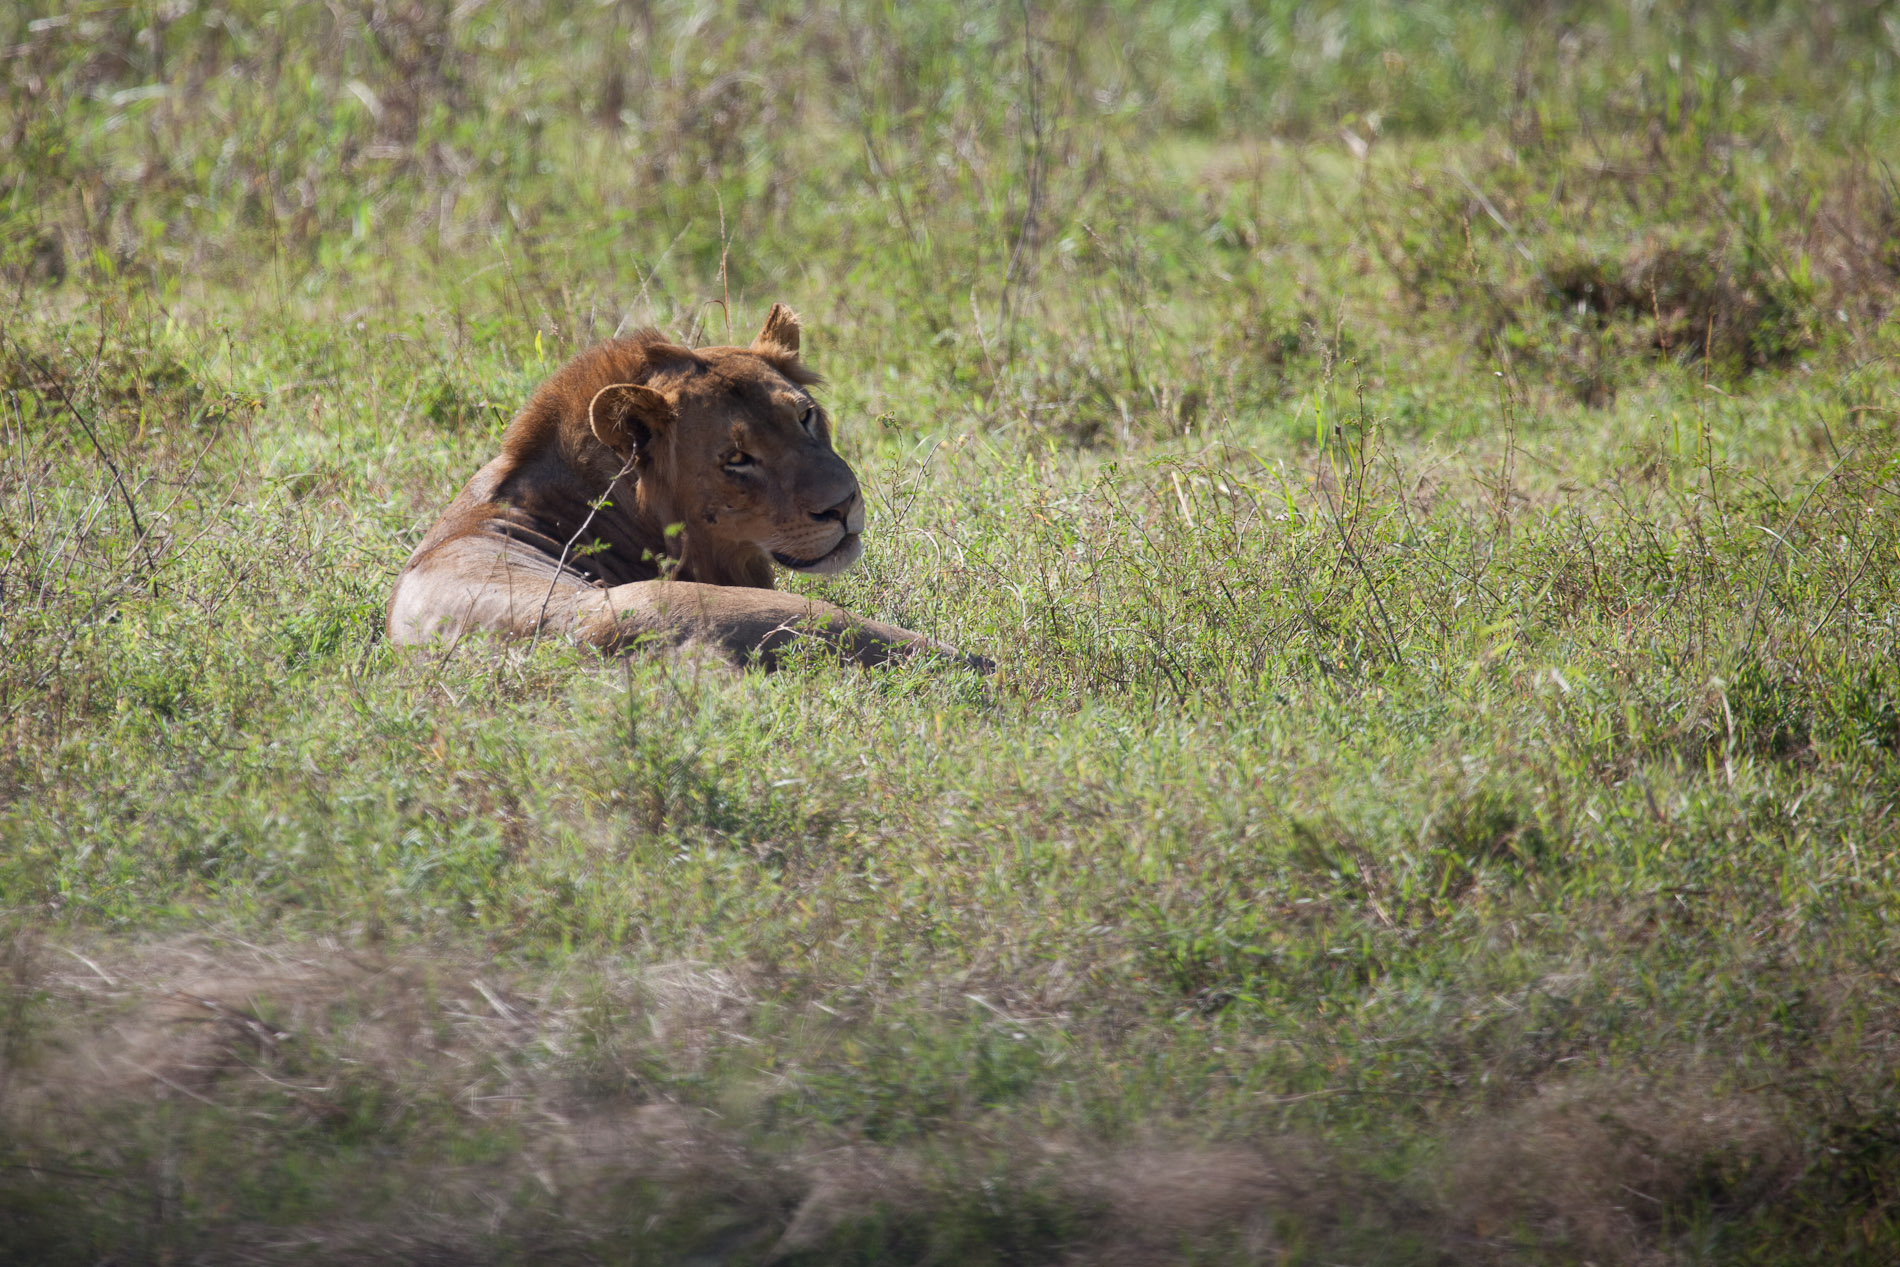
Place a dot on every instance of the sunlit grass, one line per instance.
(1427, 479)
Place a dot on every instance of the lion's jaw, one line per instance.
(849, 550)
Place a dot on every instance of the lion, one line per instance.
(642, 496)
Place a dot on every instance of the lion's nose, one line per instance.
(842, 513)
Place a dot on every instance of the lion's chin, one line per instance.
(841, 556)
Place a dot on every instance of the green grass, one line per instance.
(1427, 475)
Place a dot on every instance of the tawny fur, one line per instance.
(641, 496)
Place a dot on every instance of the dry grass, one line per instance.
(1619, 1167)
(272, 1045)
(121, 1055)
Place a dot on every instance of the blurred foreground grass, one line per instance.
(1428, 476)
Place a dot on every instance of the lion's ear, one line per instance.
(625, 416)
(780, 335)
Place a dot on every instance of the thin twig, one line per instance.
(1497, 217)
(1371, 586)
(103, 974)
(1035, 163)
(1865, 559)
(725, 281)
(32, 507)
(138, 527)
(1761, 587)
(560, 566)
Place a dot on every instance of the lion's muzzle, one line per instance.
(827, 540)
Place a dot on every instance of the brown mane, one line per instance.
(558, 408)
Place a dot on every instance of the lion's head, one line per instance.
(729, 444)
(637, 452)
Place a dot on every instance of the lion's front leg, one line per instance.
(744, 625)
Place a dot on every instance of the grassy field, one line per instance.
(1428, 475)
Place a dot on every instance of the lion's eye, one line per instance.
(808, 418)
(737, 459)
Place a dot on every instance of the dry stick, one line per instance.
(1774, 552)
(1497, 216)
(983, 342)
(1035, 162)
(1371, 585)
(725, 281)
(1704, 435)
(1866, 558)
(916, 481)
(183, 484)
(82, 526)
(81, 530)
(138, 527)
(212, 525)
(32, 508)
(593, 508)
(32, 505)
